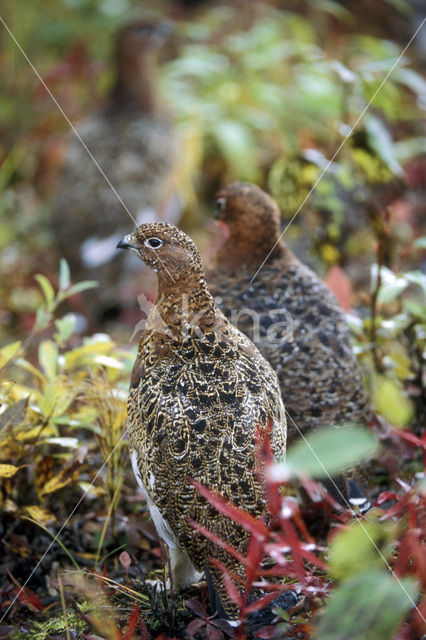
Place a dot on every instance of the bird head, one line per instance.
(141, 36)
(136, 51)
(249, 213)
(166, 250)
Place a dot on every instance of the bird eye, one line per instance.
(142, 29)
(153, 243)
(221, 204)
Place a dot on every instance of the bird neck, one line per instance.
(135, 85)
(185, 304)
(250, 251)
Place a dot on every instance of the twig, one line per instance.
(381, 228)
(64, 608)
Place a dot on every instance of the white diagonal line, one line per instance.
(61, 529)
(70, 124)
(358, 520)
(340, 146)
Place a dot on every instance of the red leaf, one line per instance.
(223, 625)
(241, 517)
(410, 437)
(144, 630)
(267, 632)
(255, 553)
(339, 283)
(385, 496)
(231, 589)
(196, 607)
(261, 603)
(397, 508)
(221, 543)
(292, 539)
(194, 626)
(213, 634)
(28, 598)
(133, 623)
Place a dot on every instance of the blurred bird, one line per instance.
(199, 392)
(133, 142)
(291, 316)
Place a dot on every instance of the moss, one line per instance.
(41, 629)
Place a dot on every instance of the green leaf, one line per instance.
(64, 275)
(326, 452)
(410, 148)
(368, 606)
(28, 366)
(55, 400)
(48, 291)
(389, 292)
(356, 547)
(391, 402)
(391, 285)
(81, 286)
(65, 327)
(382, 143)
(42, 319)
(412, 80)
(415, 308)
(417, 277)
(420, 243)
(48, 358)
(237, 145)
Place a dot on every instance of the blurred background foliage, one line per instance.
(259, 91)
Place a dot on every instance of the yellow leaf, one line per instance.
(92, 490)
(32, 433)
(31, 368)
(48, 358)
(40, 514)
(391, 402)
(8, 352)
(55, 399)
(86, 354)
(69, 473)
(56, 483)
(8, 470)
(9, 506)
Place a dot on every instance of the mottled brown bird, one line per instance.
(133, 142)
(199, 391)
(291, 315)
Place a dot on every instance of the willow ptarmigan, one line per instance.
(198, 392)
(301, 329)
(133, 142)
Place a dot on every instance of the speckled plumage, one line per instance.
(318, 373)
(199, 390)
(133, 142)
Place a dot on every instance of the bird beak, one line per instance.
(126, 243)
(220, 206)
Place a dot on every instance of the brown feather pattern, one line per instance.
(199, 390)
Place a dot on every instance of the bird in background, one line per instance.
(289, 313)
(199, 392)
(133, 141)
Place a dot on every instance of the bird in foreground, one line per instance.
(290, 314)
(133, 143)
(199, 392)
